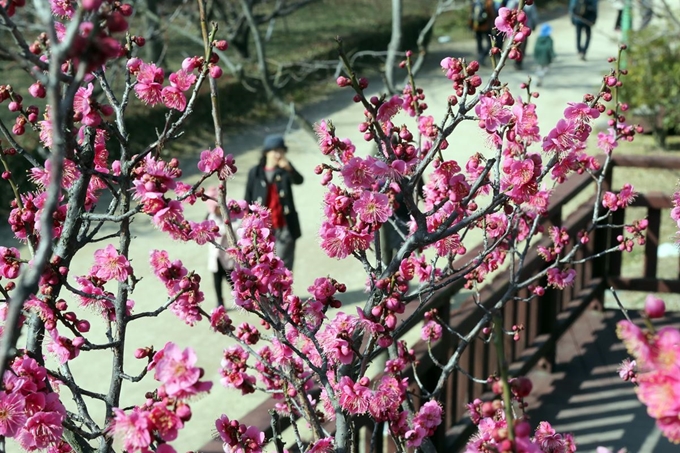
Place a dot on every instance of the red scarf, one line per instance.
(274, 205)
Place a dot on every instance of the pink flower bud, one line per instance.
(521, 386)
(654, 307)
(37, 90)
(215, 72)
(83, 325)
(134, 64)
(221, 45)
(343, 81)
(183, 412)
(126, 10)
(117, 22)
(473, 67)
(390, 321)
(14, 106)
(106, 110)
(189, 64)
(70, 316)
(475, 81)
(91, 5)
(522, 429)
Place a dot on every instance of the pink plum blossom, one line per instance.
(12, 413)
(176, 370)
(149, 84)
(110, 265)
(373, 207)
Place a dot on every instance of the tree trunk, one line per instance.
(272, 97)
(426, 34)
(394, 46)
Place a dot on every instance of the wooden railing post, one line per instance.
(652, 242)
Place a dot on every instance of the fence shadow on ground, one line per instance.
(585, 396)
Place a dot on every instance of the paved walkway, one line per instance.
(568, 80)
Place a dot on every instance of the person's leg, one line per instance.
(479, 36)
(587, 43)
(217, 281)
(486, 43)
(579, 30)
(540, 73)
(285, 247)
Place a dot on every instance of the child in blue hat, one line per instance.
(544, 53)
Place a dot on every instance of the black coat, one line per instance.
(256, 192)
(588, 18)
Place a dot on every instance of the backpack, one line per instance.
(583, 7)
(478, 15)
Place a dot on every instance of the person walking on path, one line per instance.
(646, 13)
(618, 6)
(270, 184)
(220, 264)
(482, 16)
(583, 15)
(532, 22)
(544, 53)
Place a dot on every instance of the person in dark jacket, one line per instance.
(544, 52)
(531, 22)
(482, 17)
(270, 184)
(583, 15)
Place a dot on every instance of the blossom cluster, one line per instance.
(492, 425)
(239, 438)
(655, 368)
(183, 287)
(30, 411)
(149, 427)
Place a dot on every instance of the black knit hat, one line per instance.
(274, 142)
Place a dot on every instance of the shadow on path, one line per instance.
(585, 396)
